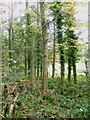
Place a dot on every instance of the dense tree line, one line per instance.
(30, 43)
(28, 46)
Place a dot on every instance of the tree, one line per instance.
(72, 52)
(30, 41)
(45, 48)
(71, 41)
(53, 64)
(10, 39)
(59, 17)
(39, 45)
(65, 20)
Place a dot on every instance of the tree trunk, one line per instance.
(62, 61)
(32, 65)
(41, 71)
(45, 49)
(38, 44)
(25, 59)
(10, 55)
(69, 68)
(74, 70)
(31, 44)
(61, 47)
(86, 65)
(53, 65)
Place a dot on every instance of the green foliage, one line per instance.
(67, 101)
(73, 103)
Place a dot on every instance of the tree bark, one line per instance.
(86, 65)
(45, 49)
(25, 59)
(38, 44)
(62, 61)
(69, 68)
(74, 70)
(53, 65)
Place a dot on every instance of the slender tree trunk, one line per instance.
(38, 44)
(69, 68)
(53, 65)
(10, 55)
(28, 61)
(74, 70)
(28, 38)
(62, 61)
(38, 71)
(25, 59)
(62, 58)
(61, 48)
(41, 69)
(31, 43)
(10, 36)
(86, 65)
(32, 65)
(45, 49)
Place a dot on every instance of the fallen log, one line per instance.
(8, 109)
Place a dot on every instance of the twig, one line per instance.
(2, 116)
(12, 107)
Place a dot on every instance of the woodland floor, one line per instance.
(70, 101)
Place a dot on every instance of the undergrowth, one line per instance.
(69, 101)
